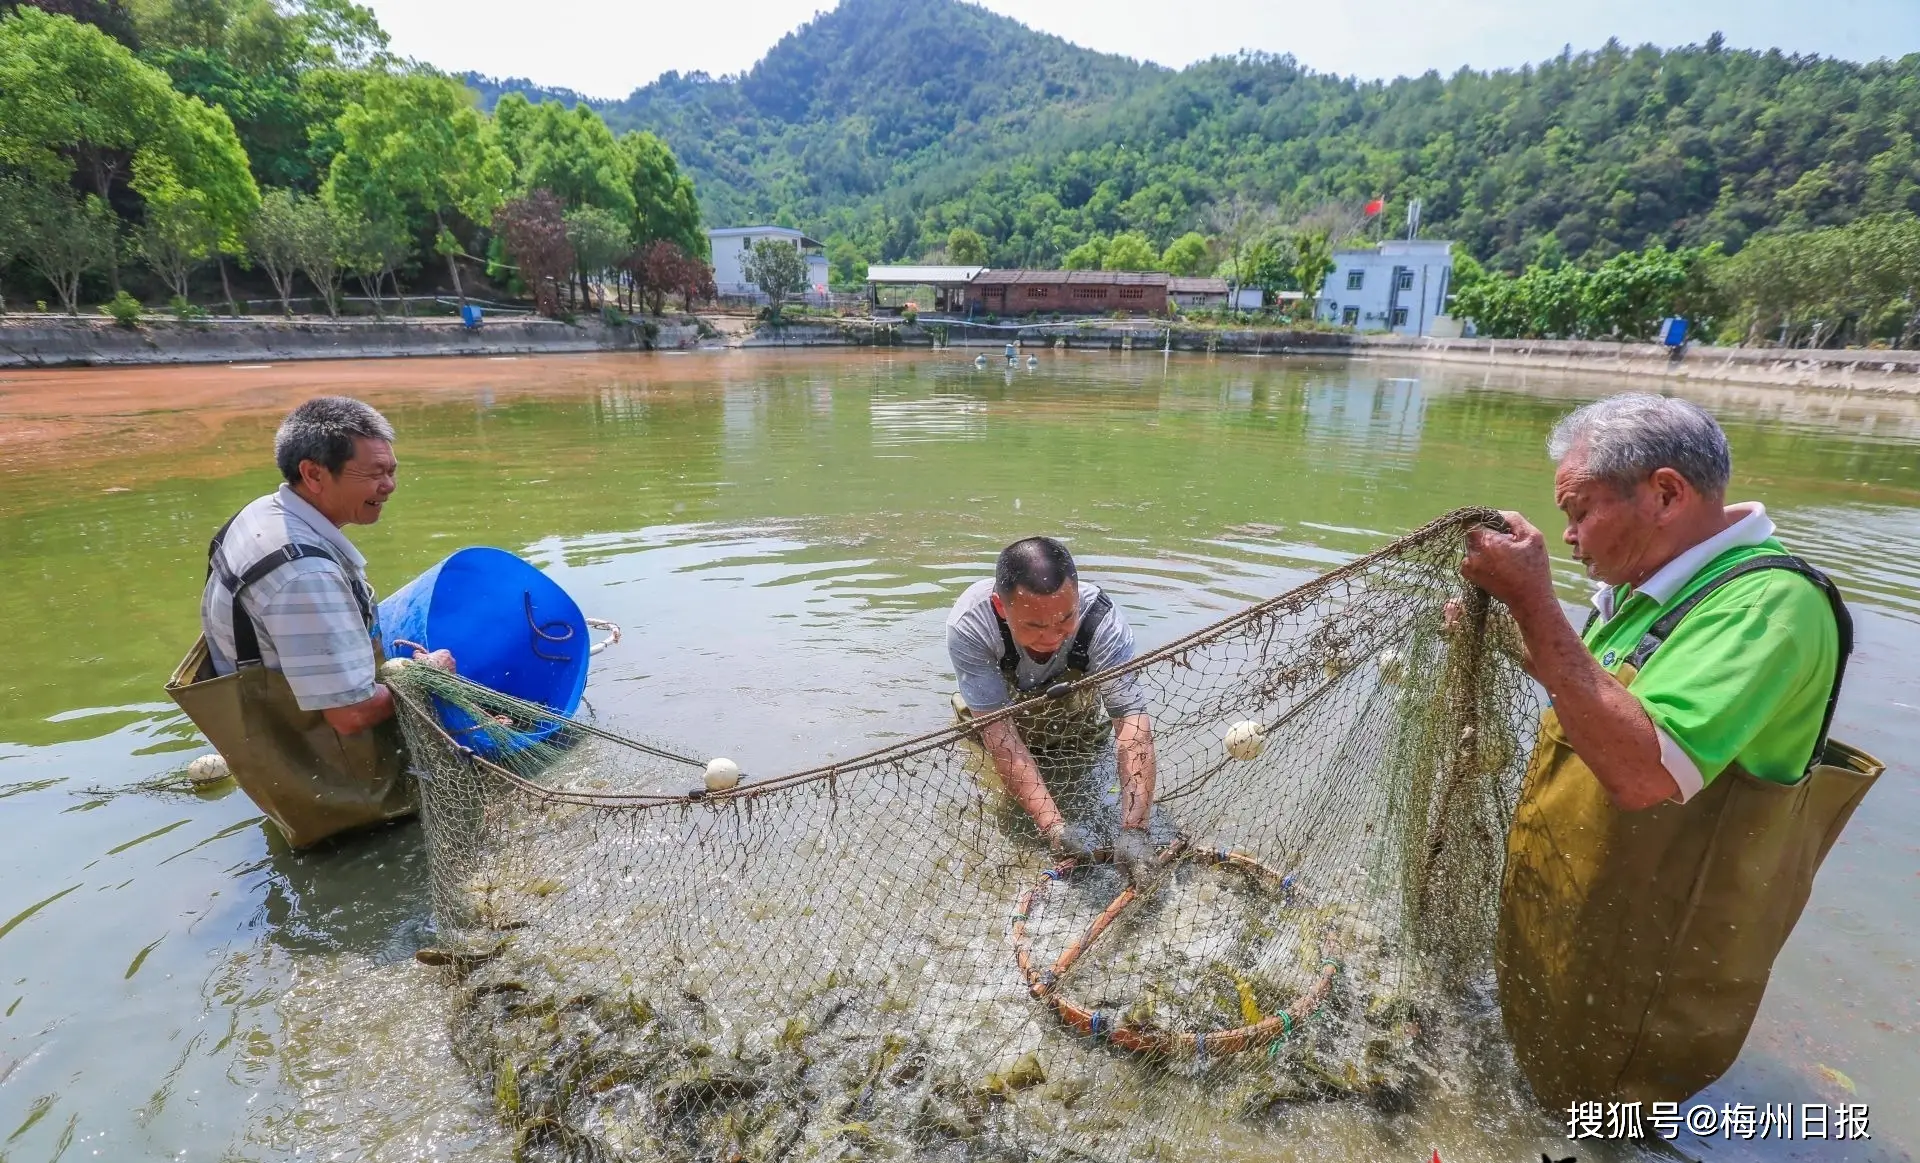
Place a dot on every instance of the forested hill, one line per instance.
(886, 124)
(862, 99)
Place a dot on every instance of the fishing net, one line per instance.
(879, 957)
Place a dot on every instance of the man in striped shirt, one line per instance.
(312, 613)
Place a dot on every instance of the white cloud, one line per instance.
(606, 48)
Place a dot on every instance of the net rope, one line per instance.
(879, 957)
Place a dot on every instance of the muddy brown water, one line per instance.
(780, 536)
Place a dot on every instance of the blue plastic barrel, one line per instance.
(470, 315)
(1673, 332)
(509, 626)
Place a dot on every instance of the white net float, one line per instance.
(723, 774)
(1246, 740)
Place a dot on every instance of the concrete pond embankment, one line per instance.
(63, 342)
(56, 342)
(1867, 371)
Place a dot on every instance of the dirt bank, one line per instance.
(73, 416)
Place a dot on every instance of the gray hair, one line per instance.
(1627, 437)
(323, 430)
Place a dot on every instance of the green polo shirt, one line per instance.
(1744, 678)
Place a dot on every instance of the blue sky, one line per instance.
(607, 47)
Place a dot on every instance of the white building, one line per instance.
(1398, 286)
(729, 246)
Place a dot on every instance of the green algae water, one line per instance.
(780, 537)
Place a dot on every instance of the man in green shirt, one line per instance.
(1683, 791)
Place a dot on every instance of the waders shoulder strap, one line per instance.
(1079, 655)
(1662, 629)
(246, 640)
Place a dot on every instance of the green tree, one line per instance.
(109, 16)
(262, 36)
(1553, 298)
(76, 104)
(1859, 282)
(176, 238)
(569, 152)
(1493, 305)
(845, 264)
(1623, 298)
(417, 141)
(1626, 296)
(1088, 256)
(1269, 265)
(778, 269)
(664, 201)
(320, 248)
(1237, 220)
(600, 239)
(1467, 273)
(68, 237)
(966, 248)
(13, 225)
(1312, 262)
(273, 113)
(1188, 254)
(373, 250)
(273, 239)
(1129, 251)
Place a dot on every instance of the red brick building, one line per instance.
(1018, 293)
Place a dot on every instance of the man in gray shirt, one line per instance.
(1029, 627)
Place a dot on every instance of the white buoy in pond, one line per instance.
(723, 774)
(206, 770)
(1246, 739)
(980, 361)
(1033, 361)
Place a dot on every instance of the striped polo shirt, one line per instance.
(304, 613)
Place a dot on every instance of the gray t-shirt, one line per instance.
(975, 646)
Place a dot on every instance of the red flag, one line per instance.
(1375, 207)
(1436, 1150)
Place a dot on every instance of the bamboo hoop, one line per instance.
(1151, 1040)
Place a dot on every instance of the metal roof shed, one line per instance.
(947, 284)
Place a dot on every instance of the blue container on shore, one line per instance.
(1673, 332)
(509, 626)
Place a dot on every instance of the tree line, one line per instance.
(283, 139)
(1857, 284)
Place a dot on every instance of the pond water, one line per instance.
(780, 536)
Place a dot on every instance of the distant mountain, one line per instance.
(491, 89)
(861, 99)
(884, 124)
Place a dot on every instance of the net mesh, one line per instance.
(881, 958)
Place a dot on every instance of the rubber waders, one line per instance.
(308, 778)
(1633, 947)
